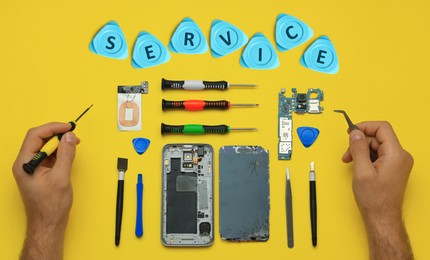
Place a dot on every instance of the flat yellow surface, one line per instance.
(49, 74)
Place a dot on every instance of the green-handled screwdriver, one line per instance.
(196, 129)
(49, 148)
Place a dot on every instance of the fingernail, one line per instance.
(69, 138)
(356, 135)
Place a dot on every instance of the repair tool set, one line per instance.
(188, 168)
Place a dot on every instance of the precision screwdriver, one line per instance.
(195, 129)
(49, 147)
(197, 105)
(199, 84)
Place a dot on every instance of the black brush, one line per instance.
(122, 168)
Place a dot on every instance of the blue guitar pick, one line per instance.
(226, 38)
(149, 51)
(291, 32)
(321, 56)
(307, 135)
(110, 42)
(259, 54)
(188, 38)
(140, 144)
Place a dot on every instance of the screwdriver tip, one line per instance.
(244, 129)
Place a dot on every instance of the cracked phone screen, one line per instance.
(244, 193)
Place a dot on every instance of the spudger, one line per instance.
(139, 217)
(197, 105)
(49, 147)
(195, 129)
(199, 84)
(289, 210)
(372, 153)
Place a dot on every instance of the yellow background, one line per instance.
(49, 74)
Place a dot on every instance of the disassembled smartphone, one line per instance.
(187, 195)
(244, 196)
(300, 103)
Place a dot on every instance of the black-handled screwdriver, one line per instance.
(197, 105)
(195, 129)
(49, 147)
(199, 84)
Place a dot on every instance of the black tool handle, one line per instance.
(313, 207)
(195, 105)
(33, 163)
(119, 206)
(194, 129)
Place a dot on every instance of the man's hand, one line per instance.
(379, 188)
(47, 194)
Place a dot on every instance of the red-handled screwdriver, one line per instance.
(197, 105)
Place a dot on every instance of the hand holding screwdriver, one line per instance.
(48, 148)
(197, 105)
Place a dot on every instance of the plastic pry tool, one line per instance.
(259, 54)
(188, 38)
(291, 32)
(110, 42)
(226, 38)
(372, 153)
(149, 51)
(141, 144)
(139, 216)
(321, 56)
(307, 135)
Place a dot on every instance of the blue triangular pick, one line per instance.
(321, 56)
(291, 32)
(226, 38)
(188, 38)
(149, 51)
(110, 42)
(259, 54)
(141, 144)
(307, 135)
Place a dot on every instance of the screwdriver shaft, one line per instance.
(244, 129)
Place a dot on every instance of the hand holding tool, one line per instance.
(199, 84)
(373, 154)
(194, 129)
(49, 147)
(197, 105)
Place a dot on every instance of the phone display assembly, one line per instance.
(244, 201)
(187, 195)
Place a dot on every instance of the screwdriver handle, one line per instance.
(193, 84)
(45, 151)
(195, 105)
(194, 129)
